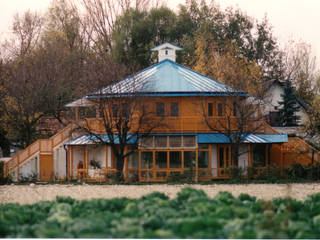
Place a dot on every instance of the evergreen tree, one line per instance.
(288, 106)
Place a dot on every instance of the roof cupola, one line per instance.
(166, 51)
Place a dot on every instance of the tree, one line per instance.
(125, 116)
(288, 106)
(240, 112)
(300, 66)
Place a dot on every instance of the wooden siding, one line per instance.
(190, 119)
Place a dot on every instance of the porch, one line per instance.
(162, 158)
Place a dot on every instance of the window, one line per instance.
(203, 159)
(234, 109)
(133, 160)
(175, 159)
(220, 109)
(161, 159)
(166, 52)
(160, 141)
(146, 160)
(189, 159)
(189, 141)
(147, 142)
(160, 109)
(174, 109)
(259, 157)
(210, 109)
(175, 141)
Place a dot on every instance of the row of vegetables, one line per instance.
(191, 214)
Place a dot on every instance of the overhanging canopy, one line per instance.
(202, 138)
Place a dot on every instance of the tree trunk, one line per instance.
(5, 145)
(235, 155)
(119, 167)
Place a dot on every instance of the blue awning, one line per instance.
(249, 138)
(202, 138)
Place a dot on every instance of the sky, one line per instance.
(296, 20)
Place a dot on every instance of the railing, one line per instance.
(39, 146)
(92, 174)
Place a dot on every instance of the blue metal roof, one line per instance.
(167, 78)
(250, 138)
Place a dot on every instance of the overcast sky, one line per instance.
(291, 19)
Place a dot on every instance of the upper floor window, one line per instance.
(166, 52)
(220, 109)
(160, 109)
(174, 109)
(234, 109)
(210, 109)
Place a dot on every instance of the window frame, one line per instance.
(160, 109)
(174, 109)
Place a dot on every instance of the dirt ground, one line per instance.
(26, 194)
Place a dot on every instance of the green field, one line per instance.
(192, 214)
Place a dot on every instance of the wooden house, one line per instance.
(181, 132)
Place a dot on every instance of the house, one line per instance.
(272, 106)
(174, 122)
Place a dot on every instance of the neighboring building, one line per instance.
(178, 97)
(272, 107)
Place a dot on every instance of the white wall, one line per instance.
(244, 156)
(30, 168)
(59, 162)
(274, 97)
(214, 159)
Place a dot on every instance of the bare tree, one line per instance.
(239, 114)
(26, 31)
(124, 116)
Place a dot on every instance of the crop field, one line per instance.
(191, 214)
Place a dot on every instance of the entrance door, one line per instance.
(46, 167)
(224, 159)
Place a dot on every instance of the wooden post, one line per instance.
(86, 156)
(77, 113)
(281, 159)
(71, 162)
(18, 169)
(197, 166)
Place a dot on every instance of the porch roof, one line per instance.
(202, 138)
(250, 138)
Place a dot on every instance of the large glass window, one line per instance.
(189, 141)
(189, 159)
(174, 109)
(133, 160)
(147, 142)
(160, 141)
(203, 159)
(160, 110)
(175, 141)
(259, 155)
(175, 160)
(161, 159)
(146, 160)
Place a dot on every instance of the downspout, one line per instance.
(66, 149)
